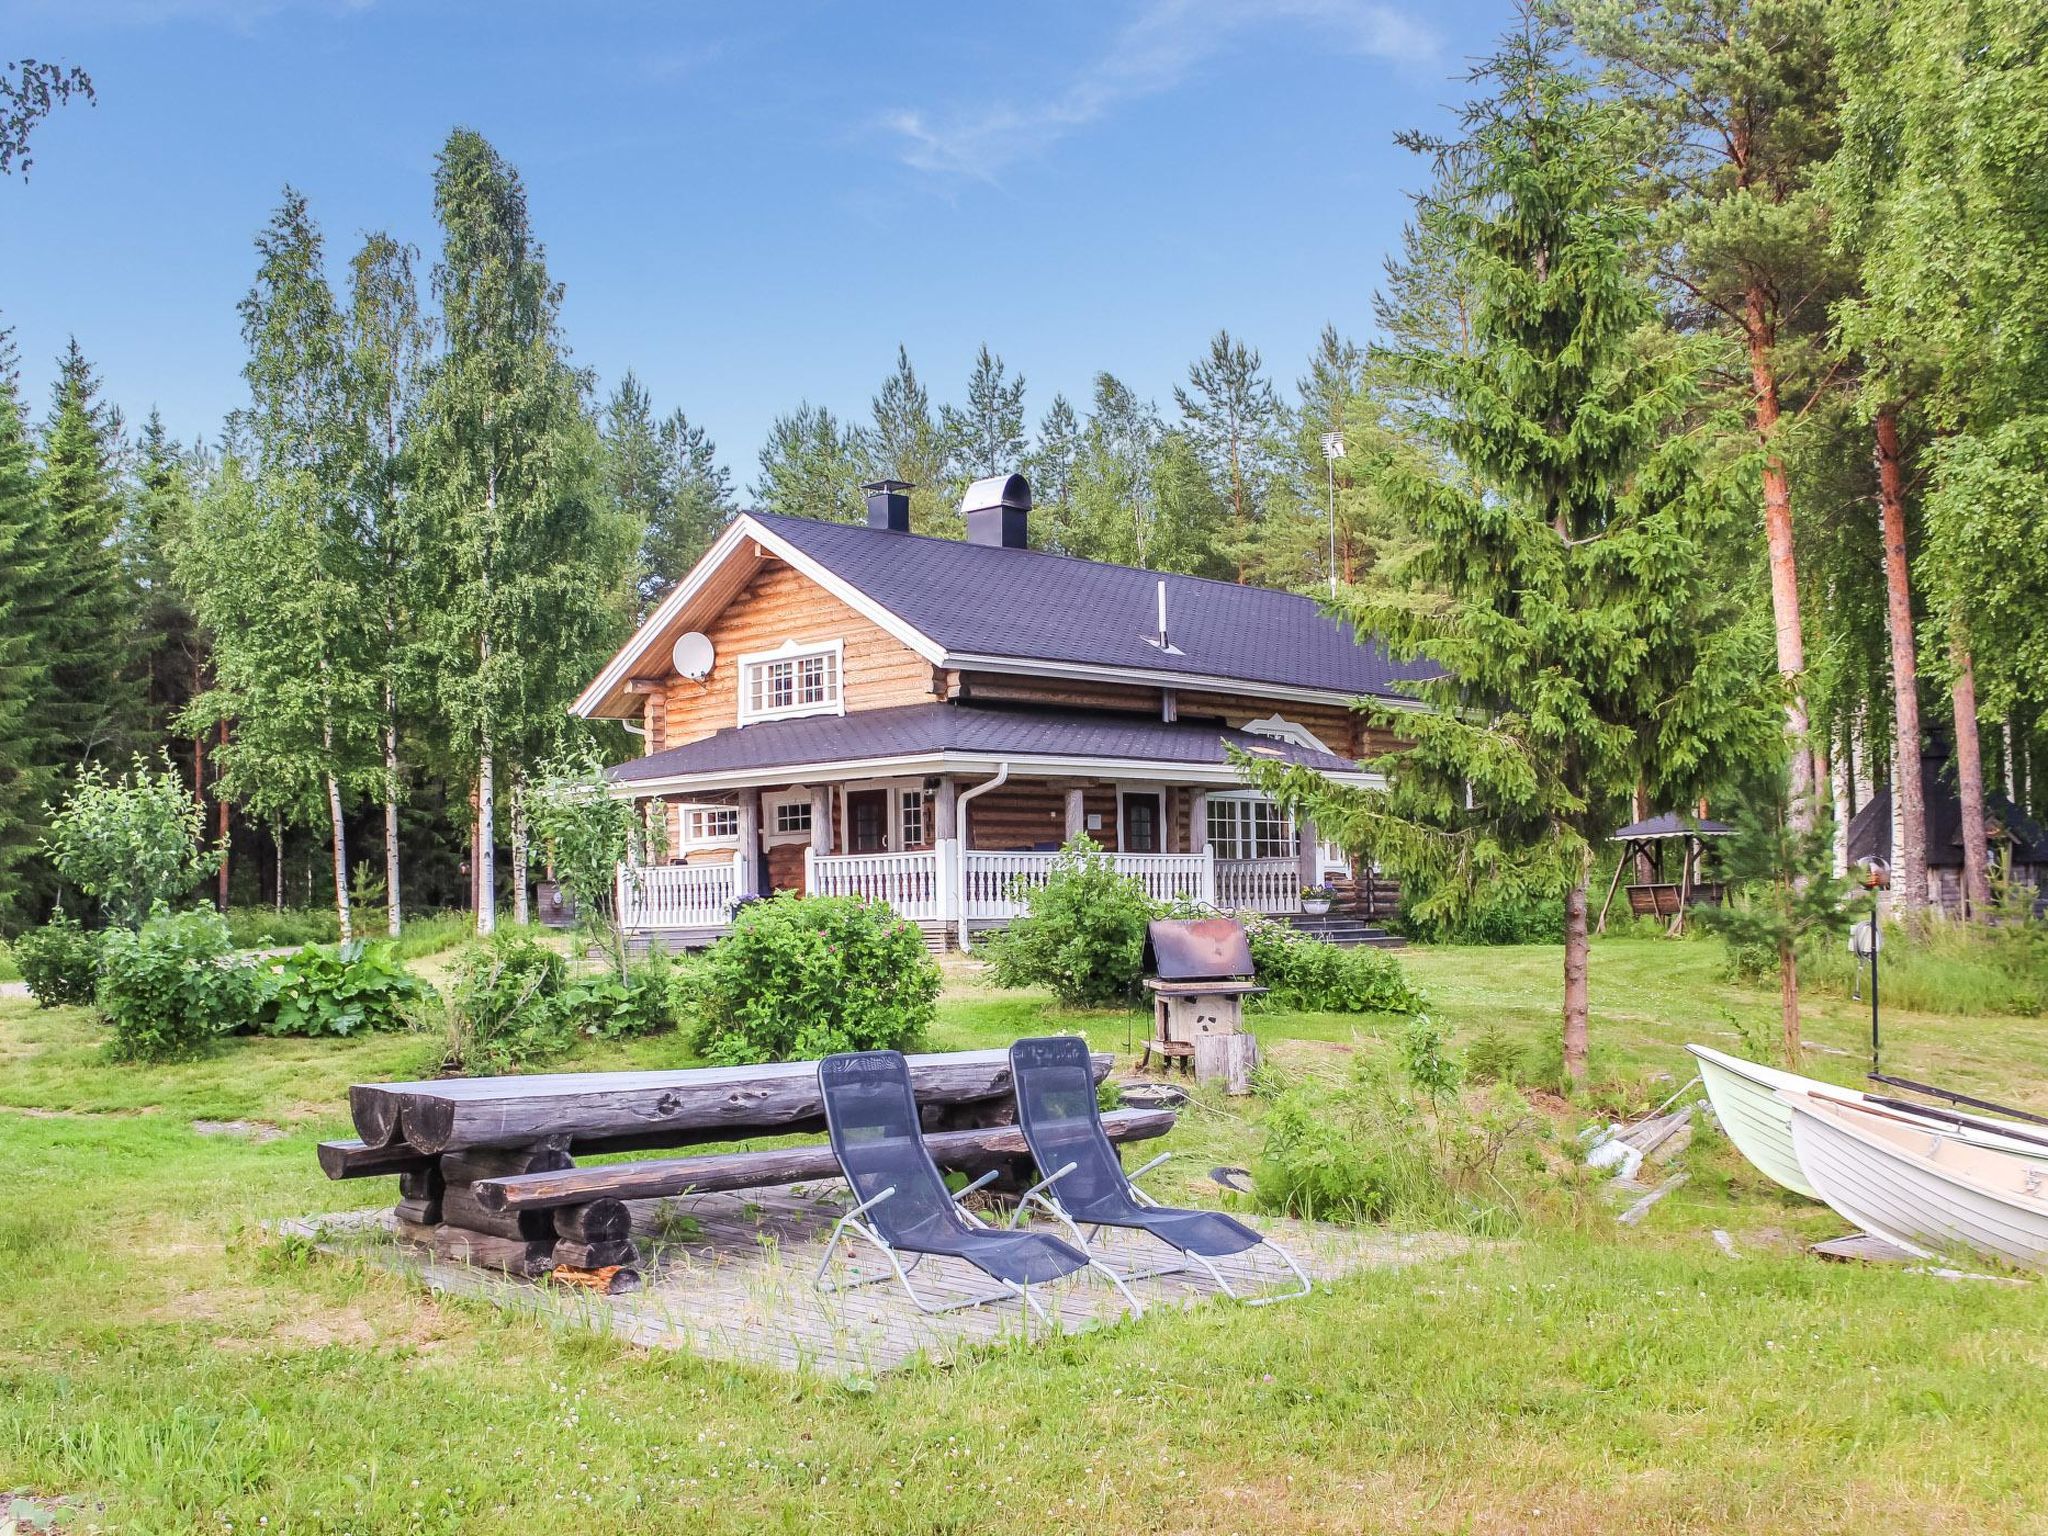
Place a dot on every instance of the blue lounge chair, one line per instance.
(902, 1204)
(1083, 1182)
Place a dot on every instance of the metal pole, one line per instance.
(1331, 464)
(1873, 982)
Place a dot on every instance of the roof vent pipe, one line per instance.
(888, 504)
(997, 510)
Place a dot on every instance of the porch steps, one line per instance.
(1343, 929)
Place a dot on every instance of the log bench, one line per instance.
(487, 1172)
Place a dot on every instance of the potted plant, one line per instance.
(1316, 899)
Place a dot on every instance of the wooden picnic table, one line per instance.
(487, 1170)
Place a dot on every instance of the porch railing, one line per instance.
(678, 895)
(927, 885)
(1259, 885)
(913, 883)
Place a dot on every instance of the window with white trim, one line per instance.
(1250, 827)
(796, 680)
(793, 815)
(704, 824)
(911, 804)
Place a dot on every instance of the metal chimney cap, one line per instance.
(1012, 492)
(885, 487)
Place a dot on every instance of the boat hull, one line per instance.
(1745, 1099)
(1924, 1192)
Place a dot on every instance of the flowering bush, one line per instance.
(804, 976)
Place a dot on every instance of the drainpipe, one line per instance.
(960, 844)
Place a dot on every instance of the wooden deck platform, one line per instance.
(728, 1276)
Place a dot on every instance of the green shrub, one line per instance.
(501, 1005)
(606, 1006)
(131, 843)
(1489, 920)
(59, 961)
(1081, 934)
(1311, 976)
(171, 987)
(1316, 1165)
(337, 992)
(803, 976)
(268, 928)
(1493, 1056)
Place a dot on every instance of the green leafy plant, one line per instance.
(609, 1007)
(1311, 976)
(269, 927)
(338, 992)
(501, 1005)
(132, 842)
(1492, 1056)
(173, 985)
(1081, 934)
(589, 834)
(803, 976)
(59, 961)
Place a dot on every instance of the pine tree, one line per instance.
(1051, 468)
(1112, 511)
(811, 467)
(1744, 92)
(988, 433)
(1232, 416)
(1563, 581)
(906, 441)
(697, 502)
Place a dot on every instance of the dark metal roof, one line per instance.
(1671, 824)
(980, 600)
(1870, 829)
(916, 729)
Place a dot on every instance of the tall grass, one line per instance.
(9, 971)
(1950, 968)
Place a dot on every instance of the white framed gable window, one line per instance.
(795, 680)
(708, 825)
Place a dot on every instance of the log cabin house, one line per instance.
(837, 708)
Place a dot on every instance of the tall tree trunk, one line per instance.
(1845, 806)
(1788, 1002)
(1576, 951)
(520, 914)
(277, 842)
(486, 853)
(220, 802)
(2012, 792)
(392, 919)
(1970, 788)
(1909, 851)
(1784, 566)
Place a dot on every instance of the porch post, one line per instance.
(748, 863)
(950, 849)
(1077, 814)
(1308, 858)
(1198, 821)
(821, 824)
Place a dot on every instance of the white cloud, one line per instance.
(1158, 49)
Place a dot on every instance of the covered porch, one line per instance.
(955, 849)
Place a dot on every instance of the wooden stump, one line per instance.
(1229, 1057)
(613, 1255)
(509, 1254)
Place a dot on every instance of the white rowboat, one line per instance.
(1745, 1096)
(1893, 1177)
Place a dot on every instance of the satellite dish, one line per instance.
(693, 656)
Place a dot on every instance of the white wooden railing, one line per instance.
(913, 883)
(929, 886)
(994, 879)
(678, 895)
(1258, 885)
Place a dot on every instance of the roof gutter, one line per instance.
(960, 841)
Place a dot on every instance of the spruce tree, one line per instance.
(1563, 582)
(26, 779)
(85, 609)
(696, 504)
(1051, 467)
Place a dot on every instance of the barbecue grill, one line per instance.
(1199, 973)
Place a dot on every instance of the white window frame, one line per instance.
(794, 652)
(688, 839)
(772, 806)
(1245, 826)
(1282, 729)
(905, 797)
(1158, 792)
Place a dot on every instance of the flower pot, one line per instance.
(1314, 906)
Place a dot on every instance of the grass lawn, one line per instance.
(167, 1368)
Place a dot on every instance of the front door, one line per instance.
(867, 820)
(1139, 824)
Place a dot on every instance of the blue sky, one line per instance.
(751, 204)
